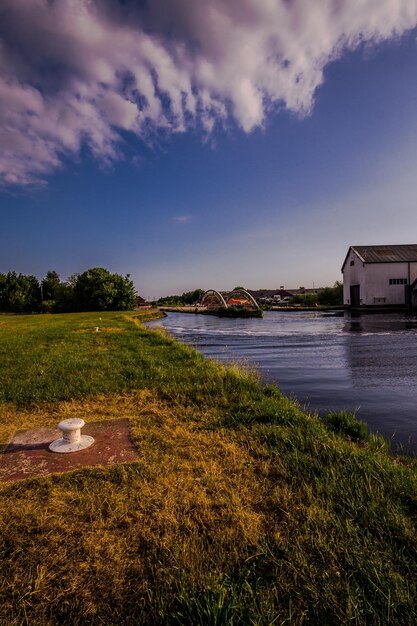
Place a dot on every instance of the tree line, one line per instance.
(187, 298)
(96, 289)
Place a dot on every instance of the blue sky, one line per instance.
(264, 192)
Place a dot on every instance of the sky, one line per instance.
(205, 144)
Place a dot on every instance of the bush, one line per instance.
(305, 299)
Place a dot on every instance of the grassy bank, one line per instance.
(241, 510)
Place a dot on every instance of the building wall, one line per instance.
(413, 272)
(377, 287)
(352, 275)
(374, 281)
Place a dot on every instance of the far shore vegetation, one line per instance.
(242, 508)
(326, 297)
(97, 289)
(187, 298)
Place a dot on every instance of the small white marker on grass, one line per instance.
(71, 440)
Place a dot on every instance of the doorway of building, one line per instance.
(414, 300)
(355, 294)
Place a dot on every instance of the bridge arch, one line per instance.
(213, 299)
(241, 297)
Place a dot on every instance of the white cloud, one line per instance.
(118, 111)
(183, 218)
(76, 72)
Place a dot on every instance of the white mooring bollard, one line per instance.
(71, 440)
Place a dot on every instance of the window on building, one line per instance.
(380, 300)
(397, 281)
(352, 261)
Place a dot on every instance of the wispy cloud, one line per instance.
(182, 218)
(76, 73)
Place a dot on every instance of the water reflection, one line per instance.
(379, 323)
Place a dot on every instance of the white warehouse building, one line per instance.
(380, 275)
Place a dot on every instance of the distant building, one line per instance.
(270, 296)
(380, 276)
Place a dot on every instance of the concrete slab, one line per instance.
(28, 454)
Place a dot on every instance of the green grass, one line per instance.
(242, 509)
(50, 358)
(345, 423)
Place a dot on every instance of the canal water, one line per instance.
(328, 361)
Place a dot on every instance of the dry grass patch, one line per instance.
(211, 526)
(97, 540)
(204, 478)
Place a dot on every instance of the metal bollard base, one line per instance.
(60, 445)
(72, 440)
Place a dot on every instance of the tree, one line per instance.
(19, 293)
(50, 285)
(49, 290)
(98, 290)
(331, 296)
(64, 298)
(125, 298)
(191, 297)
(3, 293)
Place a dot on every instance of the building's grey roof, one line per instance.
(387, 254)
